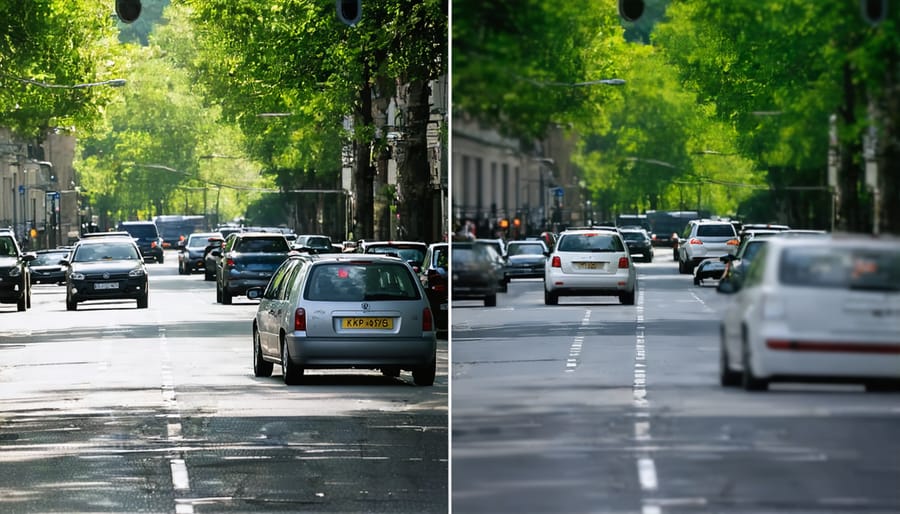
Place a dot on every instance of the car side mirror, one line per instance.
(254, 293)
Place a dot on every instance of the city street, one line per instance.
(114, 409)
(593, 407)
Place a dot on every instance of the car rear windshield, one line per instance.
(720, 230)
(590, 242)
(318, 242)
(144, 230)
(525, 249)
(262, 245)
(841, 268)
(634, 236)
(409, 254)
(361, 281)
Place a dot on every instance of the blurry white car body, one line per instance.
(815, 309)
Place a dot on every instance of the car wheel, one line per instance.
(143, 301)
(218, 293)
(22, 303)
(550, 298)
(71, 305)
(490, 301)
(697, 280)
(424, 375)
(650, 258)
(727, 376)
(209, 277)
(161, 258)
(749, 380)
(392, 371)
(504, 286)
(291, 374)
(28, 297)
(226, 296)
(261, 367)
(627, 298)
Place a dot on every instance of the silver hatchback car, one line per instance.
(344, 311)
(587, 263)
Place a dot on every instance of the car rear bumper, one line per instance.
(573, 284)
(362, 352)
(127, 290)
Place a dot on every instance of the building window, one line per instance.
(479, 188)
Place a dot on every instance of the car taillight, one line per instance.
(556, 262)
(427, 321)
(695, 241)
(733, 242)
(623, 262)
(229, 263)
(300, 320)
(153, 244)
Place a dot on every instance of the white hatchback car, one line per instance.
(588, 262)
(815, 309)
(705, 239)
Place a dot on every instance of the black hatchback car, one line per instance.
(473, 275)
(46, 268)
(106, 268)
(147, 237)
(15, 281)
(638, 242)
(433, 276)
(247, 260)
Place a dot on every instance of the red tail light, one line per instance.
(229, 263)
(733, 242)
(556, 262)
(695, 241)
(623, 262)
(300, 320)
(427, 321)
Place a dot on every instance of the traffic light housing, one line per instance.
(128, 10)
(631, 10)
(874, 11)
(349, 11)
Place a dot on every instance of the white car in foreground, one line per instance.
(589, 263)
(815, 310)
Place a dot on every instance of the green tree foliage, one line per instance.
(60, 43)
(777, 70)
(294, 56)
(509, 59)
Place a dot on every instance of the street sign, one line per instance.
(21, 190)
(56, 195)
(559, 192)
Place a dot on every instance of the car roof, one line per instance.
(96, 235)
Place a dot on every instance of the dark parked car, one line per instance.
(344, 311)
(525, 259)
(191, 252)
(210, 258)
(15, 276)
(106, 268)
(433, 275)
(46, 267)
(147, 238)
(248, 260)
(638, 242)
(474, 276)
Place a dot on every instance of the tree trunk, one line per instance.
(363, 172)
(414, 174)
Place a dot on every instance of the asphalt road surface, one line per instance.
(594, 407)
(114, 409)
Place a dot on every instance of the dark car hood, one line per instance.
(525, 259)
(109, 266)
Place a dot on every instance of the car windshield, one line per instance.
(6, 247)
(317, 242)
(841, 268)
(262, 245)
(525, 249)
(49, 258)
(590, 242)
(199, 241)
(112, 251)
(361, 281)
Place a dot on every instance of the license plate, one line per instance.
(589, 265)
(106, 285)
(368, 323)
